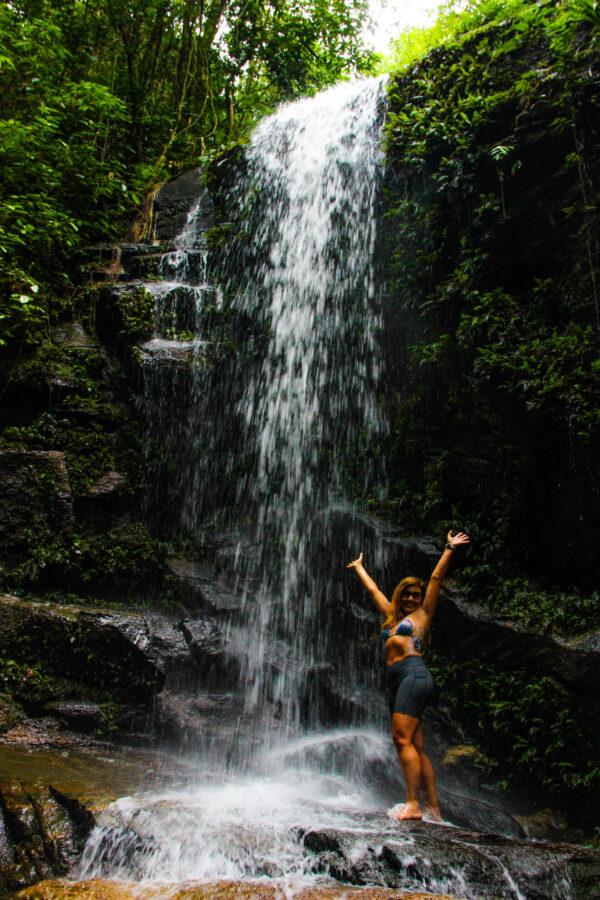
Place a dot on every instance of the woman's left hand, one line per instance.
(455, 540)
(355, 562)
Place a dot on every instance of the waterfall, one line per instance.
(257, 451)
(308, 204)
(276, 417)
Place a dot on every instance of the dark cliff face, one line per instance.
(492, 247)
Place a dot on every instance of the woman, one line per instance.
(407, 619)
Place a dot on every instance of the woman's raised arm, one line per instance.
(433, 588)
(380, 600)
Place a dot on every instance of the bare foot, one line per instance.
(405, 811)
(433, 814)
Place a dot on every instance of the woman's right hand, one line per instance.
(355, 562)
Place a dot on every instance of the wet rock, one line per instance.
(180, 719)
(42, 836)
(545, 825)
(208, 719)
(128, 252)
(123, 314)
(81, 819)
(339, 700)
(10, 713)
(202, 588)
(174, 200)
(128, 654)
(109, 486)
(217, 666)
(166, 640)
(203, 636)
(163, 352)
(35, 505)
(105, 496)
(156, 638)
(98, 889)
(72, 335)
(418, 856)
(474, 631)
(78, 715)
(99, 649)
(116, 846)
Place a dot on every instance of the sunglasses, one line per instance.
(411, 593)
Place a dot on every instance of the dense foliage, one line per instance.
(100, 100)
(492, 223)
(529, 722)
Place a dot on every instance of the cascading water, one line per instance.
(311, 192)
(272, 433)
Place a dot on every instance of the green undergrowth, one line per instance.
(91, 449)
(492, 310)
(85, 414)
(25, 683)
(455, 22)
(137, 312)
(58, 659)
(125, 562)
(530, 722)
(569, 613)
(102, 548)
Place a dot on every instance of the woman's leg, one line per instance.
(403, 731)
(427, 776)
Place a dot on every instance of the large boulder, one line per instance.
(173, 201)
(98, 669)
(474, 631)
(43, 835)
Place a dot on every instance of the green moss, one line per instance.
(137, 311)
(568, 612)
(126, 560)
(49, 653)
(88, 448)
(26, 683)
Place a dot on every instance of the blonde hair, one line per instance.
(393, 616)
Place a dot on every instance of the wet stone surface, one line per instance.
(430, 857)
(218, 890)
(49, 797)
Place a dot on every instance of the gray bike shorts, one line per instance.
(409, 686)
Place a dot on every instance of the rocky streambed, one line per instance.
(97, 821)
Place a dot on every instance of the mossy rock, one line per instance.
(36, 513)
(97, 649)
